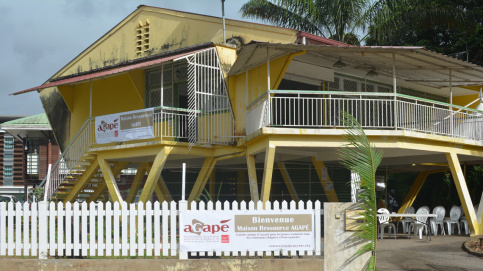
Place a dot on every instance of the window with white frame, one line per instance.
(32, 164)
(7, 171)
(8, 142)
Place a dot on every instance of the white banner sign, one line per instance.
(125, 126)
(244, 230)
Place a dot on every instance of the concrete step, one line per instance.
(88, 157)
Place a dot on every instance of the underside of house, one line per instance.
(257, 116)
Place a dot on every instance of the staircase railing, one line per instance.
(71, 156)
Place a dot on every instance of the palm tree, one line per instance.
(331, 19)
(363, 159)
(336, 19)
(388, 18)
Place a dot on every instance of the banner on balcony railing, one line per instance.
(245, 230)
(125, 126)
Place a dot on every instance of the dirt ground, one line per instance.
(442, 253)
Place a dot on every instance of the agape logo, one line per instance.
(197, 227)
(104, 126)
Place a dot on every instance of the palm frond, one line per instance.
(299, 14)
(359, 156)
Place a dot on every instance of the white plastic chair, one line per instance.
(405, 221)
(454, 216)
(464, 222)
(420, 222)
(384, 222)
(439, 211)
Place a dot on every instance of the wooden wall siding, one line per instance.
(18, 160)
(18, 163)
(43, 157)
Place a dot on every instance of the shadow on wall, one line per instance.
(58, 114)
(340, 246)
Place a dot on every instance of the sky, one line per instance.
(39, 37)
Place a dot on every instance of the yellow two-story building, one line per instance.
(233, 109)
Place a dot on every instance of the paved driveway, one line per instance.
(442, 253)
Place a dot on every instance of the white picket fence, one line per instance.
(97, 229)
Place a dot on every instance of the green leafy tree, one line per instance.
(452, 27)
(391, 19)
(387, 22)
(359, 156)
(332, 19)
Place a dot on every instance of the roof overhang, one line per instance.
(75, 79)
(24, 131)
(412, 64)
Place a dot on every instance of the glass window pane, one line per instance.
(8, 171)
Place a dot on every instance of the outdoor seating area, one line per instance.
(438, 221)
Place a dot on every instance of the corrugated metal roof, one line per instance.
(40, 119)
(86, 77)
(413, 64)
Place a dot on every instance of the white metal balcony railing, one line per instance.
(169, 124)
(376, 111)
(214, 127)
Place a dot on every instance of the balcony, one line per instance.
(170, 125)
(374, 111)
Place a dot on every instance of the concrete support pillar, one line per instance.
(136, 183)
(240, 185)
(327, 184)
(413, 192)
(212, 182)
(203, 176)
(162, 191)
(268, 172)
(101, 187)
(154, 174)
(110, 179)
(252, 177)
(288, 181)
(463, 193)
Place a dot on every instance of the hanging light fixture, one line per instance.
(339, 64)
(371, 73)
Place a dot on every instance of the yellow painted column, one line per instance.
(330, 193)
(212, 182)
(413, 192)
(110, 179)
(268, 172)
(82, 182)
(154, 174)
(463, 193)
(162, 191)
(252, 177)
(479, 215)
(102, 186)
(202, 178)
(288, 181)
(240, 185)
(136, 183)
